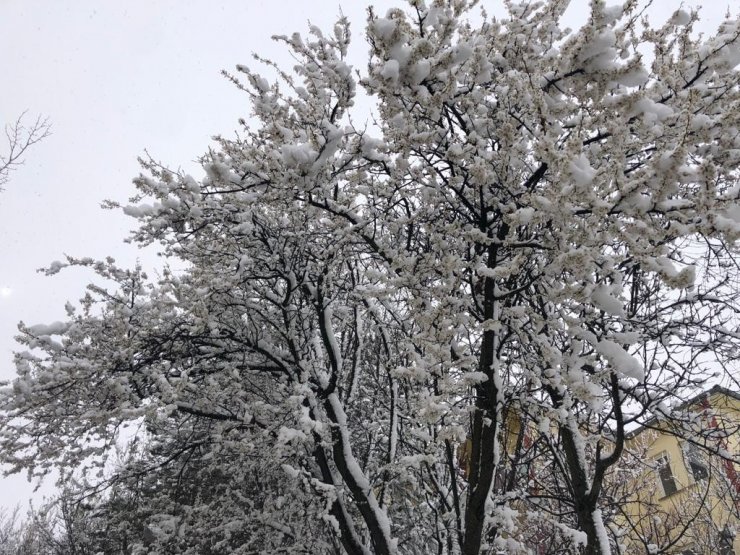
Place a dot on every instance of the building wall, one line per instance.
(678, 495)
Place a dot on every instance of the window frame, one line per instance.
(665, 474)
(697, 469)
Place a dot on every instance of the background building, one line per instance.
(681, 494)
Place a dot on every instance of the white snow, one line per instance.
(390, 70)
(384, 28)
(653, 111)
(599, 54)
(139, 210)
(607, 302)
(634, 78)
(298, 156)
(613, 13)
(621, 360)
(55, 328)
(581, 171)
(680, 18)
(356, 472)
(523, 216)
(601, 532)
(54, 267)
(420, 71)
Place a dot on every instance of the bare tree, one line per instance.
(20, 137)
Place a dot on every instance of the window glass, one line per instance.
(695, 462)
(666, 475)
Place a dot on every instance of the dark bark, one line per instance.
(348, 537)
(583, 501)
(586, 492)
(380, 542)
(485, 422)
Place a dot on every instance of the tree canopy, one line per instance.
(424, 333)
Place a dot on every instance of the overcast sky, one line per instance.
(114, 79)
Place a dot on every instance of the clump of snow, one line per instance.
(621, 360)
(581, 171)
(653, 111)
(461, 53)
(680, 18)
(612, 13)
(601, 531)
(634, 78)
(390, 70)
(290, 471)
(384, 28)
(473, 378)
(523, 216)
(139, 210)
(599, 54)
(607, 302)
(298, 156)
(55, 328)
(420, 71)
(287, 435)
(54, 267)
(700, 121)
(678, 279)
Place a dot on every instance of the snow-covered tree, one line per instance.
(528, 250)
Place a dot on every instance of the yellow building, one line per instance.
(667, 496)
(678, 496)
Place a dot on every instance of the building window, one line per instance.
(666, 475)
(695, 463)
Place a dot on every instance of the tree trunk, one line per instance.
(485, 425)
(374, 516)
(589, 521)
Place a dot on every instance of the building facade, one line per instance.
(681, 493)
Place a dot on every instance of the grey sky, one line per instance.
(116, 78)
